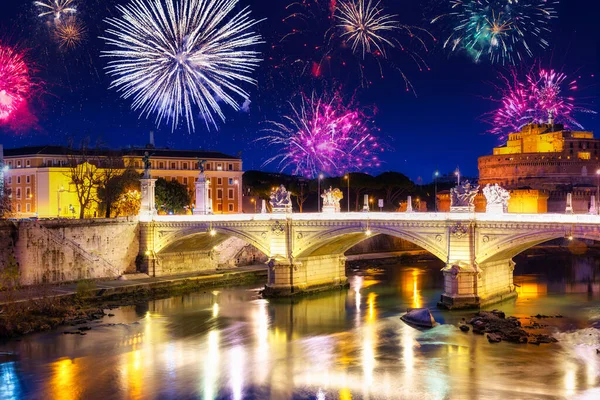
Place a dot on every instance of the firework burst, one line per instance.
(69, 33)
(55, 8)
(502, 30)
(323, 135)
(540, 95)
(365, 26)
(172, 56)
(15, 82)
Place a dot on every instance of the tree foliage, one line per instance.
(171, 196)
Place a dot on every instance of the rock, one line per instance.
(464, 328)
(499, 314)
(494, 338)
(84, 328)
(111, 315)
(82, 333)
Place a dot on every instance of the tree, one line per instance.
(111, 185)
(299, 190)
(172, 196)
(118, 195)
(5, 202)
(84, 174)
(393, 185)
(360, 183)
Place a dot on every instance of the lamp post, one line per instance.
(236, 194)
(457, 173)
(319, 192)
(435, 175)
(598, 189)
(347, 177)
(254, 203)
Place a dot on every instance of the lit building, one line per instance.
(547, 162)
(40, 183)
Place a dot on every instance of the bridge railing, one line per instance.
(387, 216)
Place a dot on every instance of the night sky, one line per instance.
(439, 127)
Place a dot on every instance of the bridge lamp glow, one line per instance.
(147, 252)
(212, 232)
(368, 232)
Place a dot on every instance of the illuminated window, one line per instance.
(584, 155)
(28, 193)
(219, 167)
(19, 164)
(230, 181)
(28, 163)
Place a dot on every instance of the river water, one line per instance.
(231, 344)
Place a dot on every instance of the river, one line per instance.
(231, 344)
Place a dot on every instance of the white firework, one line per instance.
(365, 25)
(57, 8)
(173, 56)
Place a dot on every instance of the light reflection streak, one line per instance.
(10, 387)
(63, 382)
(236, 371)
(570, 379)
(369, 341)
(211, 365)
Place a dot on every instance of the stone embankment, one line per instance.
(499, 328)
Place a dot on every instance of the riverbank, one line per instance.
(41, 308)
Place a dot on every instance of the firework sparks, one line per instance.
(56, 8)
(322, 135)
(541, 95)
(69, 33)
(15, 83)
(365, 25)
(503, 30)
(173, 55)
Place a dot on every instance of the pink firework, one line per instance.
(324, 135)
(540, 96)
(15, 82)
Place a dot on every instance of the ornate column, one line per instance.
(147, 207)
(203, 205)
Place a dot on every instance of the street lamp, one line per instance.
(319, 192)
(598, 190)
(435, 175)
(253, 201)
(347, 177)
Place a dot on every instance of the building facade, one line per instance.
(543, 156)
(543, 163)
(40, 183)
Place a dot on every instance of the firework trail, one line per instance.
(505, 31)
(55, 8)
(15, 82)
(540, 95)
(178, 58)
(323, 135)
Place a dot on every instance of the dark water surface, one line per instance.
(351, 344)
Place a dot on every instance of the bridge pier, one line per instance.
(303, 275)
(476, 286)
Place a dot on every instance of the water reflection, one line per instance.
(344, 344)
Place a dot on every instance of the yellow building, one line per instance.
(40, 183)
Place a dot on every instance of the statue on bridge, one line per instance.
(201, 165)
(331, 200)
(497, 199)
(463, 197)
(280, 200)
(147, 165)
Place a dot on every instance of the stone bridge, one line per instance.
(306, 251)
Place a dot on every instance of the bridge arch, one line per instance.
(338, 240)
(514, 245)
(204, 238)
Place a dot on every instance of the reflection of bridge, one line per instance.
(307, 250)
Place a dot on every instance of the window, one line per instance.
(230, 167)
(18, 207)
(184, 165)
(18, 193)
(583, 155)
(28, 193)
(185, 181)
(230, 207)
(10, 164)
(219, 167)
(220, 207)
(230, 194)
(10, 180)
(161, 165)
(19, 164)
(173, 179)
(19, 179)
(208, 166)
(219, 194)
(27, 179)
(28, 207)
(231, 181)
(28, 163)
(173, 165)
(219, 181)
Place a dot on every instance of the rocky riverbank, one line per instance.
(46, 312)
(499, 328)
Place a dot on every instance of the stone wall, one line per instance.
(69, 250)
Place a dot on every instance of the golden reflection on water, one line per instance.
(63, 382)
